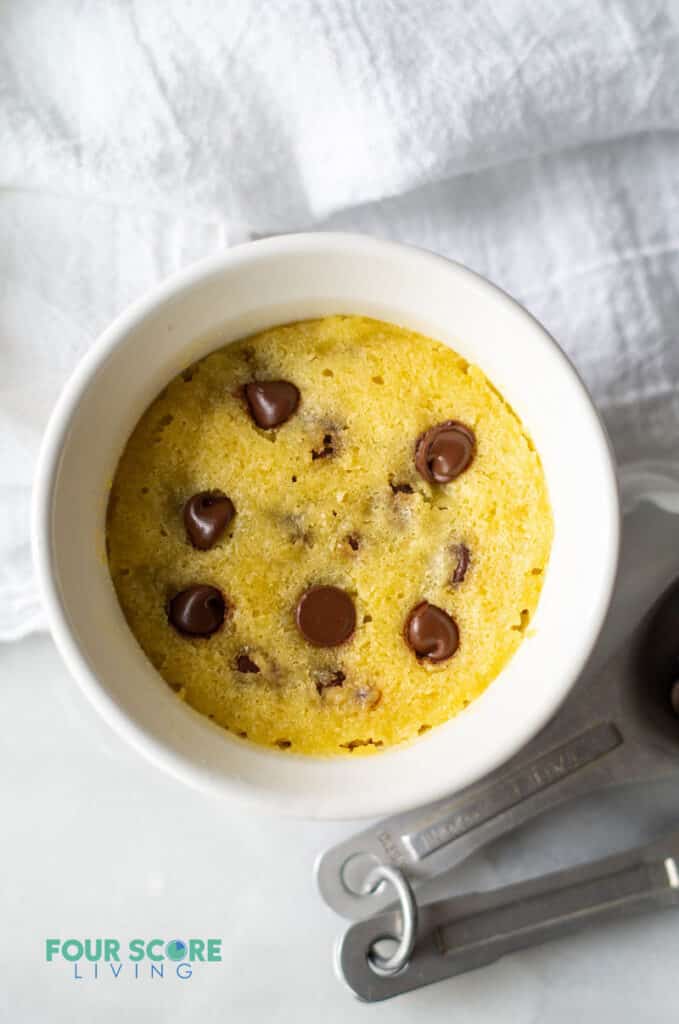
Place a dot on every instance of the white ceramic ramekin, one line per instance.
(225, 298)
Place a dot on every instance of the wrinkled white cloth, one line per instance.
(534, 142)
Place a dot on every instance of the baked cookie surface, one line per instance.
(216, 498)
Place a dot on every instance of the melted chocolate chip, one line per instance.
(400, 488)
(463, 559)
(326, 680)
(325, 616)
(245, 664)
(325, 451)
(431, 633)
(197, 611)
(444, 451)
(353, 541)
(271, 402)
(206, 516)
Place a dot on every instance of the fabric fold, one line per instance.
(536, 143)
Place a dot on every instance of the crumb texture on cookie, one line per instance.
(329, 497)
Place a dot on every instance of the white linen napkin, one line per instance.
(534, 142)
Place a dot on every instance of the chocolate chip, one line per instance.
(271, 402)
(444, 451)
(325, 451)
(431, 633)
(326, 680)
(245, 664)
(325, 616)
(353, 541)
(463, 559)
(206, 516)
(197, 611)
(400, 488)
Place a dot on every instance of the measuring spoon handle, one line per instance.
(568, 759)
(466, 932)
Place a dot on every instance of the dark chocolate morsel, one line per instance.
(444, 451)
(325, 616)
(353, 541)
(206, 516)
(197, 611)
(271, 402)
(463, 560)
(245, 664)
(431, 633)
(325, 451)
(400, 488)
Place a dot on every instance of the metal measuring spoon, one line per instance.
(452, 936)
(619, 727)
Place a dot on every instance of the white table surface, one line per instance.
(96, 842)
